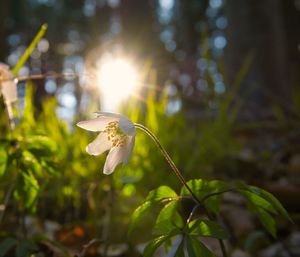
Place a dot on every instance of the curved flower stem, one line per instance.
(179, 176)
(223, 249)
(221, 242)
(169, 160)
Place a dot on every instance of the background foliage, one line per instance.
(221, 92)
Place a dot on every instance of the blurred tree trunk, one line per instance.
(259, 27)
(188, 15)
(140, 36)
(292, 28)
(3, 19)
(137, 25)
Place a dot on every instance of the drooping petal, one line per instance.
(119, 142)
(97, 124)
(129, 146)
(115, 156)
(99, 145)
(118, 155)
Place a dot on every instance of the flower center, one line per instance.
(115, 134)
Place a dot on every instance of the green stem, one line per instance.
(221, 242)
(223, 249)
(29, 49)
(179, 176)
(6, 200)
(168, 158)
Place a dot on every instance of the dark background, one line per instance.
(199, 47)
(211, 56)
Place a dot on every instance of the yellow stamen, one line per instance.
(115, 134)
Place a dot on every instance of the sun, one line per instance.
(118, 79)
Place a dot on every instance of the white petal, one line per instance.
(99, 145)
(127, 126)
(97, 124)
(118, 155)
(129, 146)
(114, 157)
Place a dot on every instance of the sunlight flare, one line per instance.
(118, 79)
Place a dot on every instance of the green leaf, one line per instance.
(50, 167)
(213, 203)
(196, 185)
(29, 49)
(41, 145)
(271, 199)
(6, 245)
(29, 161)
(168, 219)
(267, 220)
(154, 196)
(202, 188)
(168, 245)
(31, 186)
(190, 248)
(157, 242)
(3, 161)
(26, 248)
(259, 204)
(161, 193)
(138, 214)
(197, 249)
(258, 201)
(27, 189)
(207, 228)
(217, 185)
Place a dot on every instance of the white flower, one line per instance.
(117, 134)
(8, 86)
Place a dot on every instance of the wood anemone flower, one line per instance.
(117, 134)
(8, 86)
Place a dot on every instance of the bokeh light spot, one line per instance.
(117, 80)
